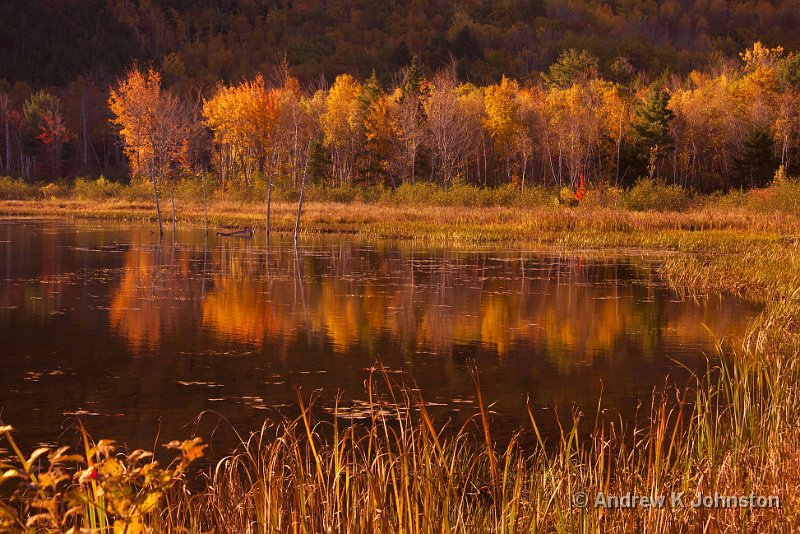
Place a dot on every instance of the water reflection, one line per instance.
(571, 310)
(224, 324)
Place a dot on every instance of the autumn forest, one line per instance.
(383, 266)
(720, 114)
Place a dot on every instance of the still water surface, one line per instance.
(102, 322)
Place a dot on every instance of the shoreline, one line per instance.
(593, 228)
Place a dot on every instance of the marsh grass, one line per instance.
(730, 432)
(649, 215)
(388, 466)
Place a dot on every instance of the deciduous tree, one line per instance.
(153, 124)
(343, 126)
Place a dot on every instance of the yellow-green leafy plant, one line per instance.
(101, 490)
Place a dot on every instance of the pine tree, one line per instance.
(650, 131)
(651, 120)
(413, 83)
(572, 67)
(756, 165)
(318, 163)
(370, 91)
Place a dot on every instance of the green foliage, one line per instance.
(189, 189)
(756, 164)
(653, 195)
(139, 190)
(37, 106)
(789, 70)
(319, 163)
(650, 132)
(99, 490)
(572, 67)
(242, 193)
(651, 120)
(100, 189)
(370, 91)
(16, 189)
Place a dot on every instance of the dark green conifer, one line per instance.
(756, 163)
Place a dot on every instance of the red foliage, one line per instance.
(53, 130)
(581, 192)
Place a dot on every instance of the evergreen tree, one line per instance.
(370, 91)
(413, 82)
(756, 165)
(319, 163)
(650, 132)
(789, 70)
(572, 67)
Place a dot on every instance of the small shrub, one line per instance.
(138, 190)
(189, 189)
(534, 197)
(650, 195)
(238, 192)
(507, 195)
(411, 193)
(566, 197)
(782, 195)
(52, 191)
(735, 198)
(461, 194)
(344, 194)
(370, 193)
(100, 189)
(16, 189)
(283, 189)
(603, 196)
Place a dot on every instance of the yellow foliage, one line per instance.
(342, 117)
(134, 105)
(380, 125)
(502, 111)
(243, 117)
(760, 55)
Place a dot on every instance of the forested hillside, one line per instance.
(53, 41)
(544, 92)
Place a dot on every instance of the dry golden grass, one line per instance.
(568, 227)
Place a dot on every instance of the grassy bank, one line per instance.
(647, 216)
(733, 431)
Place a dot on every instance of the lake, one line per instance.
(100, 321)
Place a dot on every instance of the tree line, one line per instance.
(728, 126)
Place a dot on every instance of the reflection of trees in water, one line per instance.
(318, 324)
(34, 280)
(157, 293)
(568, 310)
